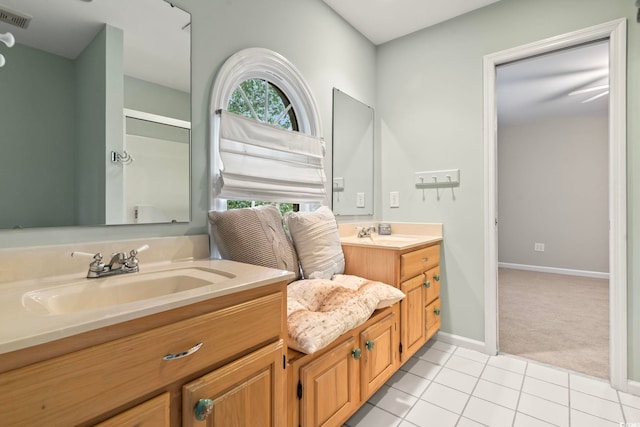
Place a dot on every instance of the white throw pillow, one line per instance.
(317, 242)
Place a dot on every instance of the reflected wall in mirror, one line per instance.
(353, 124)
(76, 66)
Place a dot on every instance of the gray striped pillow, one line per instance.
(254, 236)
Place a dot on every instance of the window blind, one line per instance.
(267, 163)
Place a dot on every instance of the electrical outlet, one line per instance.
(538, 247)
(394, 199)
(359, 200)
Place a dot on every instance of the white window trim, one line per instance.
(259, 63)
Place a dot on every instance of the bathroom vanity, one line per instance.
(410, 262)
(179, 362)
(327, 387)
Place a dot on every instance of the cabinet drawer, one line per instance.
(433, 318)
(76, 387)
(432, 284)
(419, 261)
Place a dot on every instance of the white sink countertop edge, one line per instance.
(24, 329)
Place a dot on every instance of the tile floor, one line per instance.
(444, 385)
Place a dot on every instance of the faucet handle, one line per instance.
(96, 265)
(85, 254)
(132, 261)
(141, 248)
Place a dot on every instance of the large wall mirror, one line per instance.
(95, 113)
(353, 124)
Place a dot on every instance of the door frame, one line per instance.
(615, 32)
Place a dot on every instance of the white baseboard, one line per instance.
(633, 387)
(555, 270)
(461, 341)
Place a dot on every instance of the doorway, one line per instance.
(615, 33)
(553, 248)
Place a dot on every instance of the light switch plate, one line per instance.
(359, 200)
(394, 199)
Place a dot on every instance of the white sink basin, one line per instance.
(91, 294)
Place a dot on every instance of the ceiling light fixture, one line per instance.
(8, 39)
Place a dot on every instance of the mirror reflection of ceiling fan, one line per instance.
(602, 90)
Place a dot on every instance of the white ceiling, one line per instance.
(66, 27)
(539, 87)
(384, 20)
(526, 90)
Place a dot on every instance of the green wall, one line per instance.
(152, 98)
(430, 104)
(37, 124)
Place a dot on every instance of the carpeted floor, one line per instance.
(555, 319)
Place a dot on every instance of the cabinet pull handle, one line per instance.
(427, 284)
(437, 311)
(203, 409)
(425, 259)
(369, 344)
(356, 353)
(182, 354)
(436, 277)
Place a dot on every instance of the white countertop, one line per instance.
(22, 328)
(403, 235)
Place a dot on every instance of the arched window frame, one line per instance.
(260, 63)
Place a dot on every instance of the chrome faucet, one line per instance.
(119, 263)
(366, 231)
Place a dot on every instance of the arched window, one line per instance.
(261, 85)
(263, 101)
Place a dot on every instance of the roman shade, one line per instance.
(263, 162)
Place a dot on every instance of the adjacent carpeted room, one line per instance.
(556, 319)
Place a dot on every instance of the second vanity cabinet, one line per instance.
(327, 387)
(415, 271)
(138, 373)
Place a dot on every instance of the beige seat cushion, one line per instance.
(320, 310)
(254, 236)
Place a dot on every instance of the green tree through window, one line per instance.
(263, 101)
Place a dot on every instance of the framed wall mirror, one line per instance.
(353, 124)
(75, 68)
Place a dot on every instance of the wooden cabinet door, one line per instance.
(152, 413)
(432, 285)
(330, 387)
(379, 344)
(248, 392)
(412, 316)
